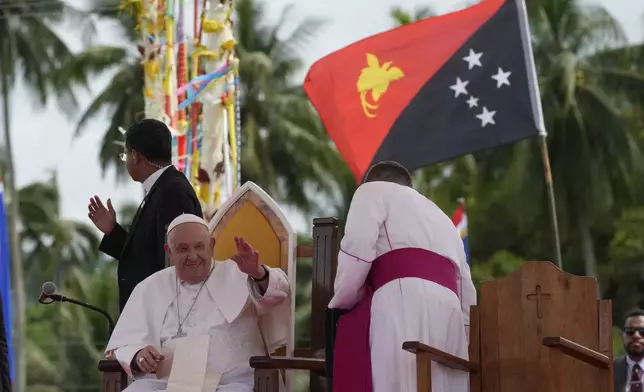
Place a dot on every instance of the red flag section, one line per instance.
(360, 91)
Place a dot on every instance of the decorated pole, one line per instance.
(182, 79)
(194, 90)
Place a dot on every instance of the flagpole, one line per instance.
(537, 111)
(551, 198)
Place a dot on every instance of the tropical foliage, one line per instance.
(592, 87)
(36, 63)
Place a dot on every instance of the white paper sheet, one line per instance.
(190, 358)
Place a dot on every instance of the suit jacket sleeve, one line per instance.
(176, 199)
(619, 374)
(112, 244)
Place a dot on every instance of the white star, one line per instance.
(486, 117)
(459, 87)
(473, 102)
(502, 78)
(473, 59)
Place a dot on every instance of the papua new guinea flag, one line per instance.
(431, 90)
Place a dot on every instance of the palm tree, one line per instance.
(592, 149)
(53, 245)
(281, 152)
(60, 339)
(36, 62)
(402, 17)
(64, 342)
(122, 98)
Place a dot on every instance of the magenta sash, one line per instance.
(352, 352)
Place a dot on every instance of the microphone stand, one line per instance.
(62, 298)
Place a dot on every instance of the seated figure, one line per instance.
(236, 303)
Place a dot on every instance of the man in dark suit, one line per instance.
(629, 369)
(168, 194)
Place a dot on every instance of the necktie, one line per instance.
(636, 379)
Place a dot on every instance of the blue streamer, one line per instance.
(205, 80)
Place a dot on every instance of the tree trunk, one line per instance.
(587, 249)
(14, 243)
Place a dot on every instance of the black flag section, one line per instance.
(482, 97)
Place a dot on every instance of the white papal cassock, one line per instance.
(385, 216)
(229, 310)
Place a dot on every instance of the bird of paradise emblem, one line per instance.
(375, 79)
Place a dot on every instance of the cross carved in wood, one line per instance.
(538, 296)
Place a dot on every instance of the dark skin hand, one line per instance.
(104, 218)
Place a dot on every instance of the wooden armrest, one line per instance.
(577, 351)
(315, 365)
(438, 356)
(110, 366)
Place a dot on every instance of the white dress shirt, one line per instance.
(149, 182)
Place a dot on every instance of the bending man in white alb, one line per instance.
(226, 301)
(403, 273)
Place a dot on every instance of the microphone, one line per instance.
(48, 289)
(48, 292)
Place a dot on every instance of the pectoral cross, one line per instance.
(179, 334)
(538, 296)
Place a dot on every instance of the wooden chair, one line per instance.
(317, 359)
(536, 330)
(252, 214)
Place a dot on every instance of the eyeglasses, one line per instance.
(124, 155)
(631, 331)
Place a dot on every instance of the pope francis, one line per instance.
(194, 325)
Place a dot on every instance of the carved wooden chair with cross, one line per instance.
(536, 330)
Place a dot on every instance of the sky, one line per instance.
(44, 142)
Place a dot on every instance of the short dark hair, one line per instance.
(389, 171)
(152, 139)
(633, 313)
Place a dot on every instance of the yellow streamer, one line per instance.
(195, 166)
(132, 7)
(182, 126)
(166, 81)
(151, 69)
(201, 51)
(204, 193)
(228, 45)
(230, 109)
(217, 195)
(212, 25)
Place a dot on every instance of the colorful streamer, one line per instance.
(194, 89)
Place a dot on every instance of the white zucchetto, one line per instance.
(186, 218)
